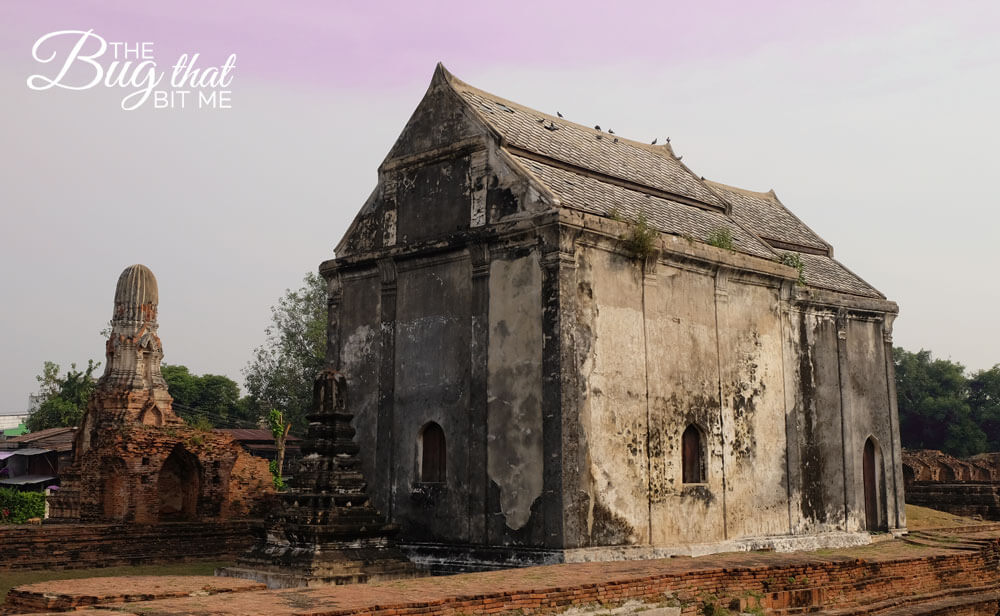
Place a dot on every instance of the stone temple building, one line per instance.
(558, 340)
(135, 460)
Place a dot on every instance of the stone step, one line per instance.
(867, 593)
(924, 604)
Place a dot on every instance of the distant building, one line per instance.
(34, 461)
(261, 444)
(12, 419)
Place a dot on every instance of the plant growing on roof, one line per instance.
(641, 238)
(721, 237)
(794, 259)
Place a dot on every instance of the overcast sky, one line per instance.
(875, 122)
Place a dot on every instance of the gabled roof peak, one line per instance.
(557, 138)
(770, 195)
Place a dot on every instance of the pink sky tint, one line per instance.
(372, 44)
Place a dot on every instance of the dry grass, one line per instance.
(10, 579)
(919, 518)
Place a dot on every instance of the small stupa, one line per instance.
(134, 459)
(326, 532)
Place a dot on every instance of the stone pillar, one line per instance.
(385, 446)
(852, 453)
(564, 503)
(478, 512)
(896, 477)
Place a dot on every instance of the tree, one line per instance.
(984, 401)
(934, 411)
(208, 399)
(63, 398)
(279, 430)
(280, 375)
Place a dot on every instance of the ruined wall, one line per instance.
(662, 350)
(514, 452)
(432, 383)
(815, 427)
(613, 415)
(840, 393)
(357, 332)
(753, 406)
(867, 414)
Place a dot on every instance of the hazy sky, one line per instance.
(875, 122)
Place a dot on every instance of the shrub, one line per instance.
(793, 259)
(641, 240)
(721, 238)
(17, 507)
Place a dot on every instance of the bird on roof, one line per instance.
(559, 114)
(679, 158)
(668, 139)
(611, 132)
(541, 120)
(616, 139)
(653, 142)
(597, 127)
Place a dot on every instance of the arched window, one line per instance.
(433, 454)
(693, 456)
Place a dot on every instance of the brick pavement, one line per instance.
(941, 567)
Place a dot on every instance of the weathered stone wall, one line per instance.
(663, 349)
(815, 424)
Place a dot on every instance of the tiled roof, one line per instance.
(591, 195)
(56, 439)
(827, 273)
(764, 214)
(525, 128)
(252, 434)
(600, 173)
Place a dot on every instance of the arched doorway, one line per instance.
(178, 486)
(874, 479)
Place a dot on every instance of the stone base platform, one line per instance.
(316, 568)
(66, 595)
(951, 572)
(443, 559)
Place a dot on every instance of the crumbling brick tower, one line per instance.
(135, 460)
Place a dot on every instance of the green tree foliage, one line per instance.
(282, 370)
(934, 405)
(63, 398)
(18, 507)
(207, 400)
(984, 399)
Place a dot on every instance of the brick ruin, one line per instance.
(135, 460)
(969, 487)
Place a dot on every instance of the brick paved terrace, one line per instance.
(952, 571)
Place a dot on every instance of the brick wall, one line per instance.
(965, 498)
(76, 546)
